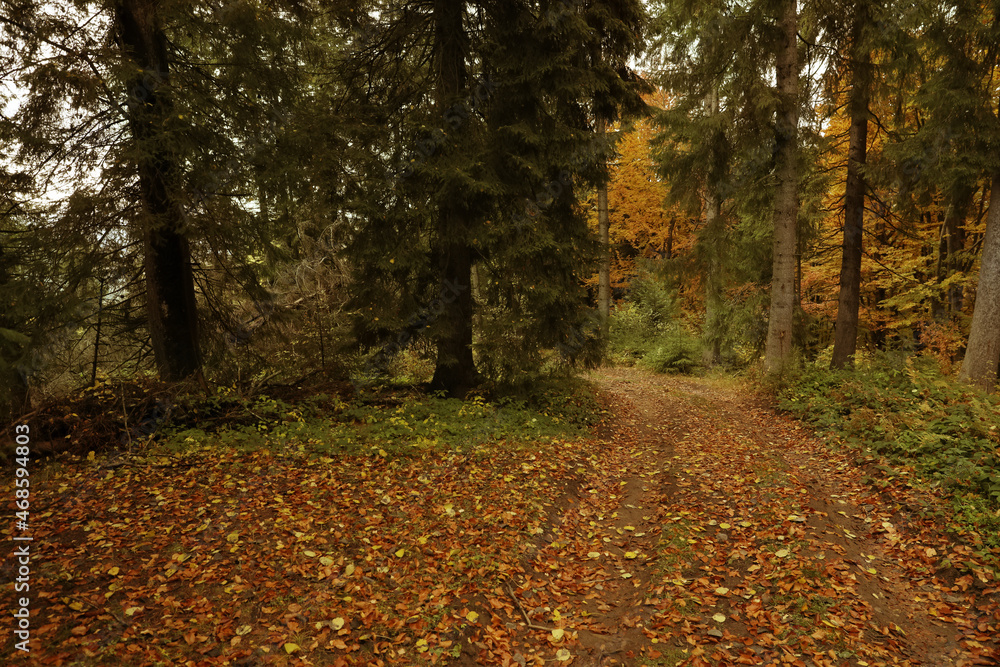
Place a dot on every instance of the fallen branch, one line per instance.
(523, 612)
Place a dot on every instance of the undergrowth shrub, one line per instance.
(677, 353)
(907, 411)
(647, 331)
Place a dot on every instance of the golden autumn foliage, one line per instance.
(642, 224)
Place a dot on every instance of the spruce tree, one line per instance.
(949, 152)
(169, 108)
(778, 352)
(731, 136)
(859, 66)
(492, 126)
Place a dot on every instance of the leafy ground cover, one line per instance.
(914, 427)
(692, 527)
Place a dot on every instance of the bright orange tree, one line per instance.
(642, 225)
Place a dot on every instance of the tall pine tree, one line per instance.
(478, 243)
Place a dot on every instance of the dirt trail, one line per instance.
(715, 532)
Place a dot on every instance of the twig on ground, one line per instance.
(527, 620)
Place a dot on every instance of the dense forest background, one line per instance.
(475, 195)
(510, 332)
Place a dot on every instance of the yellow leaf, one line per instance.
(76, 606)
(400, 552)
(113, 571)
(724, 526)
(781, 553)
(337, 623)
(90, 456)
(472, 617)
(721, 590)
(594, 554)
(292, 648)
(557, 634)
(310, 554)
(630, 554)
(132, 610)
(562, 655)
(326, 560)
(243, 630)
(421, 645)
(422, 539)
(233, 536)
(719, 618)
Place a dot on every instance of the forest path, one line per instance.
(715, 532)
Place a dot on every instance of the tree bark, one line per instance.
(845, 340)
(954, 246)
(712, 236)
(603, 231)
(982, 355)
(455, 368)
(13, 388)
(170, 298)
(778, 350)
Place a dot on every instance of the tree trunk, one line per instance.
(170, 299)
(13, 387)
(954, 230)
(455, 369)
(845, 340)
(778, 350)
(603, 230)
(982, 356)
(712, 236)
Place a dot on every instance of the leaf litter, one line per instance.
(695, 528)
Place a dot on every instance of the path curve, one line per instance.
(714, 531)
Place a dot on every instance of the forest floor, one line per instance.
(731, 536)
(697, 527)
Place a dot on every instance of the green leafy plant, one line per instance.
(905, 410)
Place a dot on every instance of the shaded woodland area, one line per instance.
(246, 192)
(506, 332)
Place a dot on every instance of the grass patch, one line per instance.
(391, 421)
